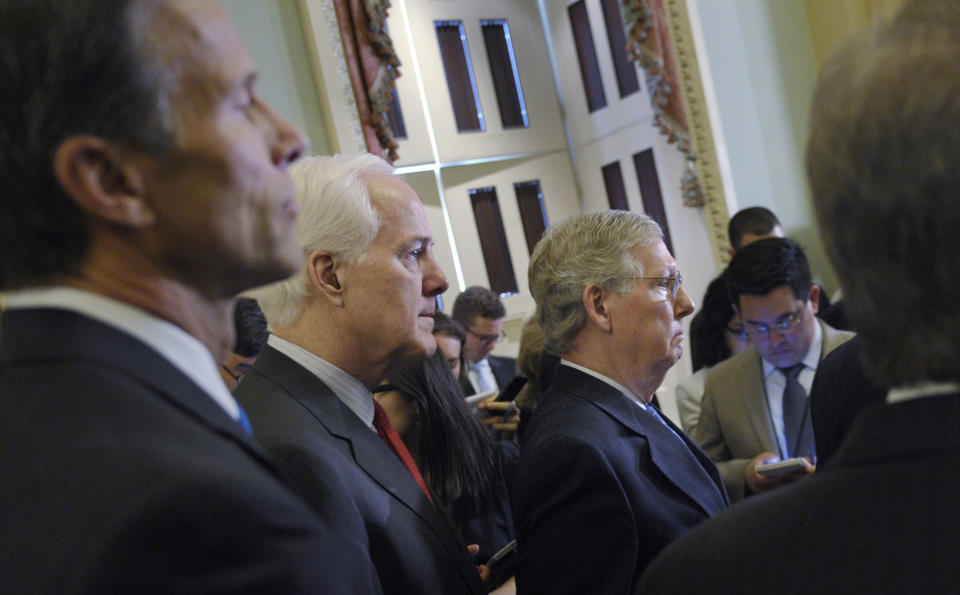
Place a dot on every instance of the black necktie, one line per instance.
(796, 424)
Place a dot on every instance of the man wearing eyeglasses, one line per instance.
(604, 482)
(481, 313)
(755, 407)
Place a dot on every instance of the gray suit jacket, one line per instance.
(330, 456)
(735, 423)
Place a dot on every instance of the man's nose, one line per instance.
(684, 305)
(434, 281)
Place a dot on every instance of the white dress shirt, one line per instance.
(775, 383)
(926, 389)
(481, 377)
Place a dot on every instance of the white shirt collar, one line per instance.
(177, 346)
(606, 379)
(926, 389)
(348, 389)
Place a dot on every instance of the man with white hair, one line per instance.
(604, 481)
(361, 305)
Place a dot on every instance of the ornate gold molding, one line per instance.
(701, 132)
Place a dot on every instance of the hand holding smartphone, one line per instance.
(784, 467)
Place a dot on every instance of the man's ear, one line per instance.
(324, 270)
(814, 297)
(103, 180)
(595, 303)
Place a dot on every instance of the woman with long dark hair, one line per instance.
(466, 470)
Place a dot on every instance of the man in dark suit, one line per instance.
(144, 186)
(480, 312)
(839, 393)
(361, 305)
(604, 481)
(882, 517)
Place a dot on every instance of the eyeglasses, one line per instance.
(675, 282)
(787, 324)
(487, 339)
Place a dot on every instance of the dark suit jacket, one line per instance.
(881, 518)
(503, 368)
(120, 475)
(330, 455)
(839, 392)
(602, 488)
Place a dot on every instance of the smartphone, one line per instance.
(502, 553)
(784, 467)
(512, 389)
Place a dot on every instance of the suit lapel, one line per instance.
(688, 468)
(750, 394)
(832, 338)
(75, 336)
(367, 448)
(501, 369)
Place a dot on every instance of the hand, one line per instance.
(505, 417)
(757, 483)
(473, 549)
(799, 473)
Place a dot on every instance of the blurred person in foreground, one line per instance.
(882, 516)
(604, 481)
(145, 186)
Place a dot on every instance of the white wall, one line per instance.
(272, 33)
(763, 72)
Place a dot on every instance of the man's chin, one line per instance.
(426, 344)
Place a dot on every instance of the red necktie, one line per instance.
(390, 437)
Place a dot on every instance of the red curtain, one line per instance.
(373, 67)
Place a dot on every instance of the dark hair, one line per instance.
(457, 455)
(758, 221)
(766, 264)
(707, 344)
(884, 170)
(251, 327)
(444, 325)
(477, 301)
(69, 68)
